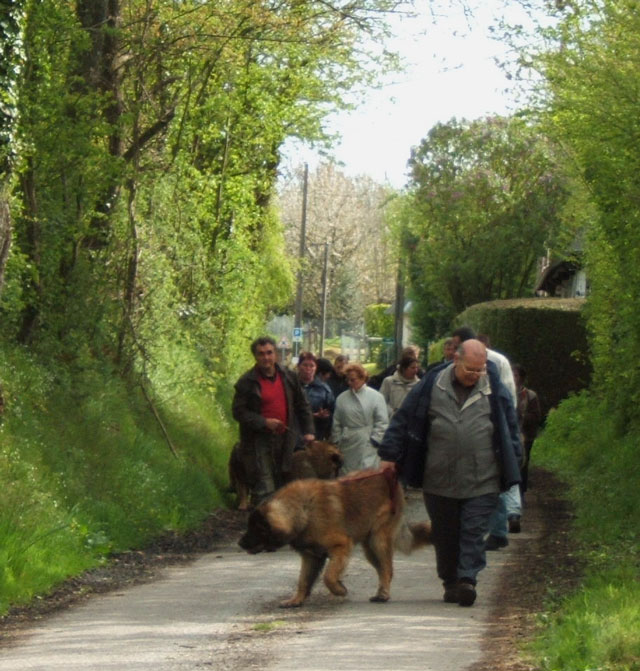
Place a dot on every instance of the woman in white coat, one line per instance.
(396, 387)
(359, 422)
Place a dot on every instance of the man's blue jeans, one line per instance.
(458, 530)
(510, 503)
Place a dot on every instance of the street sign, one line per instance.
(297, 335)
(284, 343)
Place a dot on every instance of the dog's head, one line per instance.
(261, 536)
(326, 459)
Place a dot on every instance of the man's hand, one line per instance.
(388, 464)
(275, 425)
(308, 438)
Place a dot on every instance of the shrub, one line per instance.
(546, 335)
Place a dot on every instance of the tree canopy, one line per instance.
(485, 198)
(588, 99)
(147, 139)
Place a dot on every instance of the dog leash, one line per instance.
(390, 475)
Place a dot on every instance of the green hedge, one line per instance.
(546, 335)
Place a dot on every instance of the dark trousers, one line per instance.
(524, 484)
(269, 451)
(459, 529)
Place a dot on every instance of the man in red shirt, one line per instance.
(272, 410)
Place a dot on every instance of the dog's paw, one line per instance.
(293, 602)
(337, 588)
(379, 598)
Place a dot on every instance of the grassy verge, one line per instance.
(86, 469)
(598, 627)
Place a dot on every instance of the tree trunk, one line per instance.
(31, 247)
(130, 281)
(99, 70)
(5, 234)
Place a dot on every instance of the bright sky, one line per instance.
(451, 73)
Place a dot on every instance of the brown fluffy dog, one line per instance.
(320, 459)
(325, 518)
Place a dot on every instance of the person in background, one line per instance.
(410, 350)
(324, 369)
(338, 381)
(456, 435)
(318, 394)
(529, 418)
(395, 388)
(359, 421)
(448, 351)
(269, 402)
(484, 338)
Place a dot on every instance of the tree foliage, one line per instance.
(150, 136)
(485, 198)
(378, 320)
(588, 98)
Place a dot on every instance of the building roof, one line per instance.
(555, 275)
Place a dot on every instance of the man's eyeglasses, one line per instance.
(473, 371)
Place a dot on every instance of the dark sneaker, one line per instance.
(514, 524)
(466, 594)
(496, 542)
(450, 594)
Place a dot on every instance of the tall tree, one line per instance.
(151, 132)
(12, 14)
(485, 198)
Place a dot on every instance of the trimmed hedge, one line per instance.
(545, 335)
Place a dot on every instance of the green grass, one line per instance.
(85, 470)
(597, 628)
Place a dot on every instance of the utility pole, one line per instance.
(303, 243)
(399, 312)
(325, 273)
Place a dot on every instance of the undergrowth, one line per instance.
(94, 466)
(597, 628)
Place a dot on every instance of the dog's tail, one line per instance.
(410, 537)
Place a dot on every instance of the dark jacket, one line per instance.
(406, 439)
(337, 384)
(320, 397)
(246, 408)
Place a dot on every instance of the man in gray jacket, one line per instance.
(456, 435)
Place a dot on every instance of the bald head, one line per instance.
(473, 347)
(470, 362)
